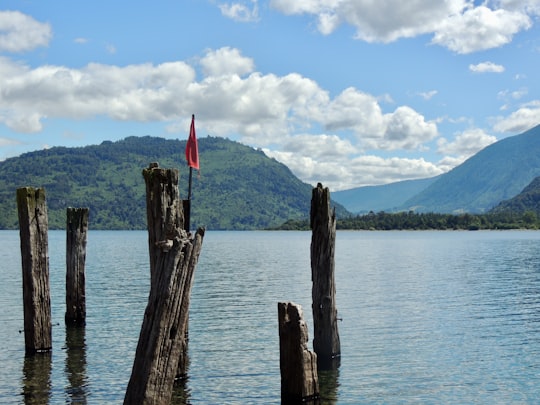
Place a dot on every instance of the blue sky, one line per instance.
(344, 92)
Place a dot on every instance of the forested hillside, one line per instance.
(238, 187)
(528, 201)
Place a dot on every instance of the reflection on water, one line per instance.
(36, 381)
(328, 386)
(75, 368)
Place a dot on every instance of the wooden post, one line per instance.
(298, 365)
(77, 229)
(33, 227)
(173, 258)
(325, 329)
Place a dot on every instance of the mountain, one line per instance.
(498, 172)
(387, 197)
(526, 201)
(238, 187)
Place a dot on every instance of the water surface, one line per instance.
(427, 317)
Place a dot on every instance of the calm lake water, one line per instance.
(427, 317)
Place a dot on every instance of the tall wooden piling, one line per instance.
(325, 329)
(173, 258)
(298, 365)
(76, 234)
(33, 228)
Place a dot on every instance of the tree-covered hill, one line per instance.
(238, 187)
(526, 201)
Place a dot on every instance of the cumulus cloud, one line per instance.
(136, 92)
(232, 98)
(480, 28)
(354, 110)
(466, 143)
(318, 146)
(361, 170)
(526, 117)
(241, 12)
(264, 110)
(486, 67)
(226, 61)
(458, 25)
(20, 32)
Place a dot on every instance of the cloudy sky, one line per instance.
(344, 92)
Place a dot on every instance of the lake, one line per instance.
(427, 317)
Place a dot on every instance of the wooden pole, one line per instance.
(173, 258)
(298, 365)
(187, 214)
(77, 229)
(33, 228)
(187, 203)
(325, 329)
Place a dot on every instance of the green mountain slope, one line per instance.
(496, 173)
(238, 187)
(387, 197)
(526, 201)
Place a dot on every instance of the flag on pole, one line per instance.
(192, 149)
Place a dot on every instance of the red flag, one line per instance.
(192, 149)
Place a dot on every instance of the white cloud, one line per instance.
(428, 95)
(361, 113)
(362, 170)
(19, 32)
(226, 61)
(514, 95)
(382, 21)
(240, 11)
(486, 67)
(480, 28)
(455, 24)
(466, 144)
(318, 146)
(136, 92)
(407, 129)
(526, 117)
(261, 109)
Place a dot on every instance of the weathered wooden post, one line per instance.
(77, 229)
(33, 228)
(325, 329)
(173, 258)
(298, 365)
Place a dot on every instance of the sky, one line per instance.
(347, 93)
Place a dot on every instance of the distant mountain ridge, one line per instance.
(387, 197)
(238, 187)
(496, 173)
